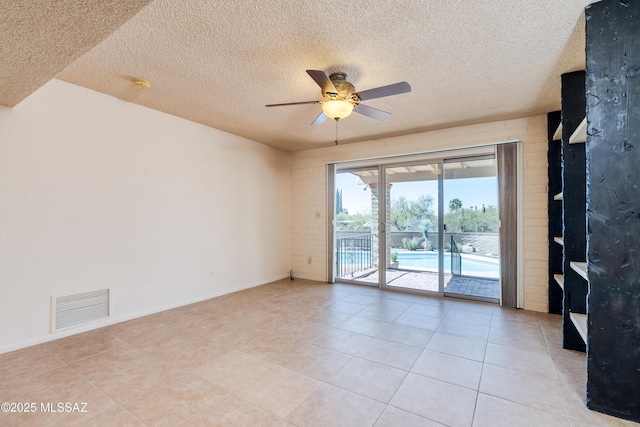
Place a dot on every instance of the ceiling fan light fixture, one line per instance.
(337, 109)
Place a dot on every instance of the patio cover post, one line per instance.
(375, 226)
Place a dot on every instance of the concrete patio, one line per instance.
(461, 285)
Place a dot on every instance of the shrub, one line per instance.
(412, 243)
(394, 257)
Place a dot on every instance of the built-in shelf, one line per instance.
(557, 135)
(566, 208)
(580, 322)
(559, 280)
(580, 268)
(580, 134)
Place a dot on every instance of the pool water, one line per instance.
(472, 265)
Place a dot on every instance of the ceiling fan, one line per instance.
(340, 97)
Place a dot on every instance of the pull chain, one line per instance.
(337, 131)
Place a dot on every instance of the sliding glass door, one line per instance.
(356, 224)
(421, 226)
(413, 249)
(471, 227)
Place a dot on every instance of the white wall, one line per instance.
(309, 189)
(99, 193)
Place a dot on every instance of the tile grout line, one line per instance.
(555, 374)
(484, 357)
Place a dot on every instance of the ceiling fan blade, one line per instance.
(379, 92)
(320, 119)
(322, 80)
(293, 103)
(373, 113)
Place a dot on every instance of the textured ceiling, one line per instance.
(40, 38)
(219, 62)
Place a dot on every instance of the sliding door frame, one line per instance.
(486, 156)
(331, 222)
(440, 157)
(332, 171)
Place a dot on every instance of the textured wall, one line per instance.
(309, 189)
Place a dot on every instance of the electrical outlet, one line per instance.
(318, 215)
(309, 260)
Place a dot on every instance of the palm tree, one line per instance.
(455, 204)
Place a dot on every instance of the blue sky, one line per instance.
(472, 192)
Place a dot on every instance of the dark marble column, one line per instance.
(613, 193)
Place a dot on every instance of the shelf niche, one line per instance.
(580, 268)
(573, 206)
(580, 322)
(554, 209)
(579, 136)
(557, 135)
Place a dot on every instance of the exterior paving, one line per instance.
(461, 285)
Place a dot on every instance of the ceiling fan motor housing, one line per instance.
(345, 90)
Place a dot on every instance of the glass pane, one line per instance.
(356, 226)
(412, 251)
(471, 229)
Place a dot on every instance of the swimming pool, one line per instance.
(472, 265)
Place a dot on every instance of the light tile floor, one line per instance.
(309, 354)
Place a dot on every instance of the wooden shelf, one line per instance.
(580, 134)
(557, 135)
(580, 322)
(580, 268)
(558, 196)
(559, 280)
(559, 240)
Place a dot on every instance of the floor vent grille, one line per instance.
(76, 309)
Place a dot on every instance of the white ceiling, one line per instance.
(219, 62)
